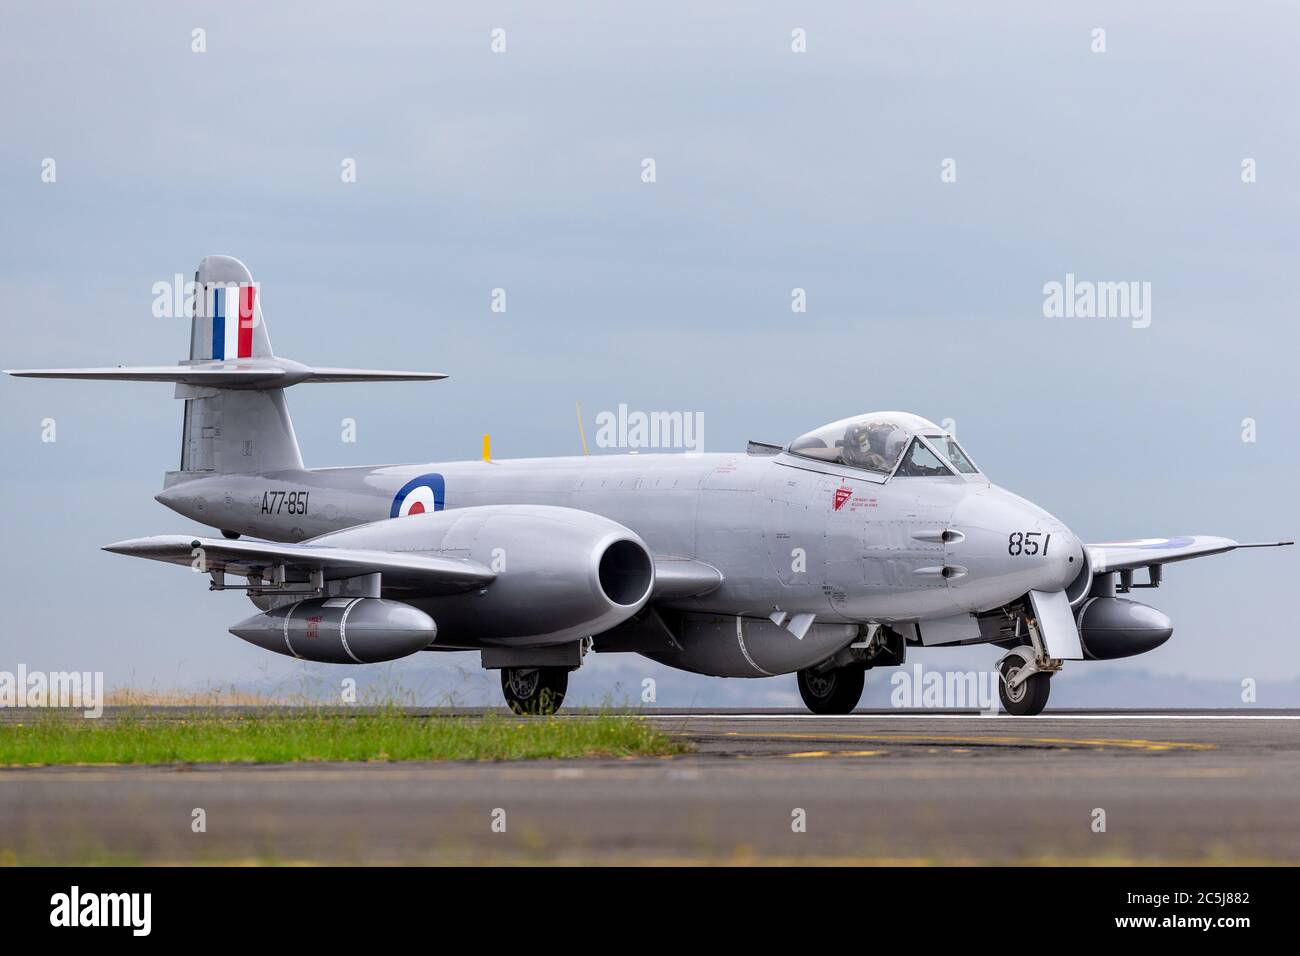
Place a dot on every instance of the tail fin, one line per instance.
(230, 430)
(236, 416)
(227, 313)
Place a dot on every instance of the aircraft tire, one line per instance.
(1030, 697)
(836, 691)
(534, 691)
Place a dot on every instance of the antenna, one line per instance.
(582, 431)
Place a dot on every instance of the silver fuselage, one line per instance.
(786, 532)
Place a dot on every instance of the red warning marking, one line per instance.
(842, 494)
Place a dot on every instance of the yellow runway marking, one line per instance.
(1128, 744)
(836, 753)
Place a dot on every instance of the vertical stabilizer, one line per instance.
(228, 322)
(228, 430)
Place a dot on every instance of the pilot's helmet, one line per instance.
(878, 434)
(894, 445)
(857, 443)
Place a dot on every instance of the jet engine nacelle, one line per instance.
(341, 630)
(1111, 627)
(561, 574)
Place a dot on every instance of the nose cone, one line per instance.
(1008, 546)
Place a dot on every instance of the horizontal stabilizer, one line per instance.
(327, 375)
(273, 373)
(430, 573)
(212, 375)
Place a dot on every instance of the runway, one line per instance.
(768, 787)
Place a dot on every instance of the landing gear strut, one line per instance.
(534, 690)
(835, 690)
(1023, 687)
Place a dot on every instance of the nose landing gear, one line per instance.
(1025, 681)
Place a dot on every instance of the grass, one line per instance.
(206, 697)
(386, 734)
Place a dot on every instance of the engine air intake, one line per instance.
(626, 572)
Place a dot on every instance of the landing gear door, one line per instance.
(1056, 625)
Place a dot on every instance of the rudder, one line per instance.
(228, 323)
(229, 431)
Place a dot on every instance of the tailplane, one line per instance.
(236, 418)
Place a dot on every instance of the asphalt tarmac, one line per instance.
(763, 788)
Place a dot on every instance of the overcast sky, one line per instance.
(775, 170)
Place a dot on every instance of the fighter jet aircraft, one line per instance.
(825, 557)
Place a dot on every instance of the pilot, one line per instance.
(894, 446)
(864, 444)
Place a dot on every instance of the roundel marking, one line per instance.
(419, 496)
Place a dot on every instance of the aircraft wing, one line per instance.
(1144, 552)
(430, 573)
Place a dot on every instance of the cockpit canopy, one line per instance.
(880, 442)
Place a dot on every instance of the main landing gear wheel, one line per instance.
(534, 690)
(834, 691)
(1030, 696)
